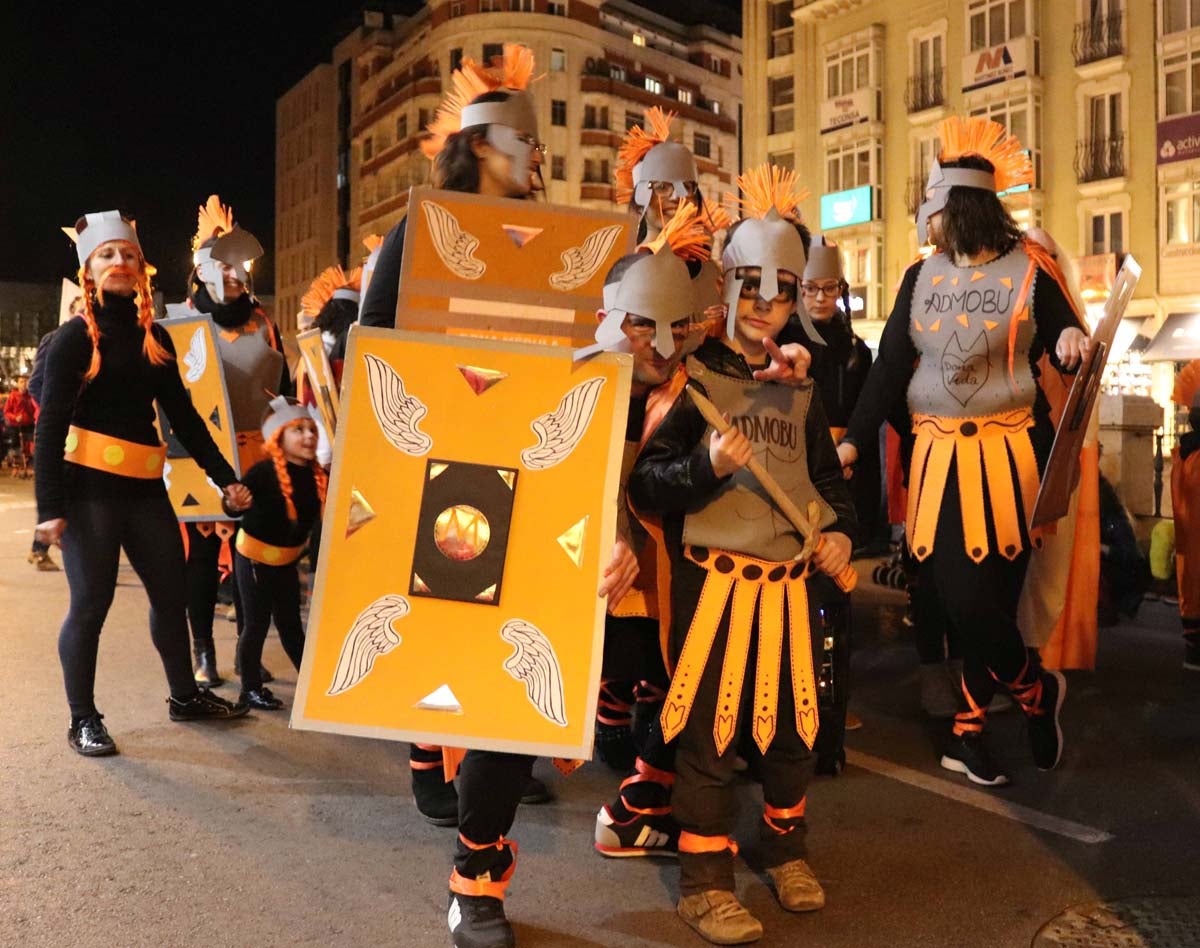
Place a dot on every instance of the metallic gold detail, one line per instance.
(436, 469)
(361, 512)
(419, 584)
(520, 235)
(441, 699)
(488, 595)
(572, 540)
(509, 477)
(481, 379)
(461, 532)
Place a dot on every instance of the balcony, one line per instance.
(925, 91)
(914, 195)
(1097, 39)
(1097, 159)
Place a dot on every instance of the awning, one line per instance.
(1177, 341)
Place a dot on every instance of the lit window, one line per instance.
(653, 85)
(1181, 83)
(639, 39)
(715, 106)
(851, 166)
(1183, 212)
(993, 22)
(617, 73)
(684, 96)
(848, 70)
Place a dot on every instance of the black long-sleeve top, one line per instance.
(839, 367)
(118, 402)
(886, 387)
(267, 519)
(379, 305)
(674, 476)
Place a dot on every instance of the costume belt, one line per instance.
(752, 583)
(981, 446)
(265, 553)
(251, 449)
(114, 455)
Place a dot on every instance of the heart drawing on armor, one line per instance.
(965, 371)
(673, 716)
(723, 731)
(807, 724)
(764, 730)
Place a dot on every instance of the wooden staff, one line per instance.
(808, 528)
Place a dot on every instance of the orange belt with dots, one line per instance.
(114, 455)
(757, 586)
(982, 446)
(265, 553)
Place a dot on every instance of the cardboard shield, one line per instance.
(470, 515)
(506, 269)
(192, 494)
(320, 377)
(1062, 468)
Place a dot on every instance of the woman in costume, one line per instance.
(728, 544)
(968, 326)
(289, 493)
(104, 493)
(254, 367)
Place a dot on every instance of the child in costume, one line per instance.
(289, 494)
(1185, 499)
(961, 344)
(739, 597)
(651, 298)
(98, 473)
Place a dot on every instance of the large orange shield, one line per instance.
(192, 494)
(509, 269)
(471, 512)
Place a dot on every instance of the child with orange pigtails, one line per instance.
(289, 494)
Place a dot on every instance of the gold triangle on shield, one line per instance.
(572, 540)
(361, 512)
(520, 235)
(481, 379)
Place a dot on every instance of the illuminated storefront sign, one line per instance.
(843, 208)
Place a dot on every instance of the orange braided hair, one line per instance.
(152, 349)
(274, 450)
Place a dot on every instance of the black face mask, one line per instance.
(226, 315)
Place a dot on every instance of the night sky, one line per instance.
(147, 107)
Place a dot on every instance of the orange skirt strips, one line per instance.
(757, 587)
(982, 447)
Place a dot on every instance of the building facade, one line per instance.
(602, 64)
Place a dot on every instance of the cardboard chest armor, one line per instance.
(740, 517)
(252, 369)
(962, 324)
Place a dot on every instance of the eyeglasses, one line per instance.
(666, 189)
(752, 288)
(816, 290)
(539, 147)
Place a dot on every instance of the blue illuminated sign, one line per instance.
(843, 208)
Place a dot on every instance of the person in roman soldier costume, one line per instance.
(962, 344)
(654, 174)
(1185, 499)
(742, 607)
(651, 298)
(331, 305)
(255, 371)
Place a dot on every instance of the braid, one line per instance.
(153, 350)
(89, 318)
(322, 480)
(275, 452)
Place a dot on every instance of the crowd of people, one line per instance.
(754, 334)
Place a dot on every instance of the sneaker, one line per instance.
(262, 698)
(796, 887)
(478, 921)
(718, 917)
(967, 754)
(1191, 651)
(42, 562)
(536, 792)
(1045, 731)
(90, 737)
(436, 799)
(614, 746)
(204, 706)
(639, 836)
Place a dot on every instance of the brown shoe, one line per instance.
(43, 563)
(796, 886)
(718, 917)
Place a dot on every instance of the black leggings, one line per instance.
(978, 599)
(97, 530)
(266, 592)
(203, 579)
(490, 786)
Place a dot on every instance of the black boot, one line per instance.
(263, 675)
(206, 664)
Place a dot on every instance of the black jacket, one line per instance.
(674, 476)
(379, 305)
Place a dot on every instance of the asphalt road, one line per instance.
(250, 834)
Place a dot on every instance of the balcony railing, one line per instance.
(1099, 158)
(1097, 39)
(925, 91)
(914, 194)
